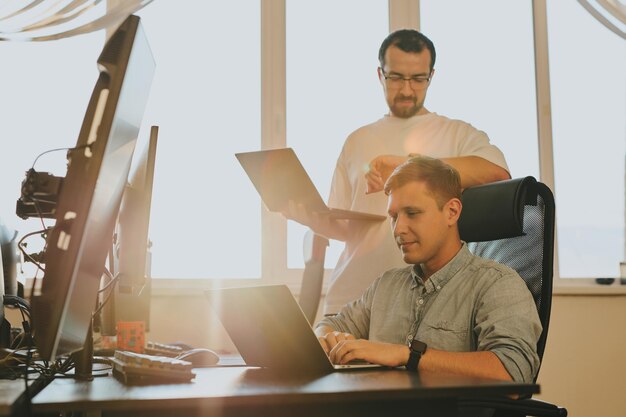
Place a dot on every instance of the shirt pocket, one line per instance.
(445, 335)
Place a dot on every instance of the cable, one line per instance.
(108, 296)
(113, 281)
(16, 301)
(36, 204)
(20, 245)
(36, 201)
(58, 149)
(29, 410)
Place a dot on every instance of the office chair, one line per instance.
(512, 222)
(314, 251)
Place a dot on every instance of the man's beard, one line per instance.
(403, 111)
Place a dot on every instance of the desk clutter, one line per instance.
(157, 363)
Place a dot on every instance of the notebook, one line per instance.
(278, 176)
(270, 330)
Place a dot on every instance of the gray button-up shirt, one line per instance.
(471, 304)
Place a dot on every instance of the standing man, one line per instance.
(449, 311)
(369, 155)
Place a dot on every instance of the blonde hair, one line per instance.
(442, 180)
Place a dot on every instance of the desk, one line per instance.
(12, 394)
(243, 391)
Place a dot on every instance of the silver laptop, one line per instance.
(278, 176)
(270, 330)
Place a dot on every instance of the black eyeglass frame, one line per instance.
(419, 79)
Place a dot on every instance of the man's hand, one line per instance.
(298, 212)
(380, 168)
(320, 223)
(330, 339)
(387, 354)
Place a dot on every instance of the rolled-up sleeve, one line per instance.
(354, 318)
(478, 144)
(507, 324)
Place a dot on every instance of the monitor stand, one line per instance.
(83, 359)
(5, 327)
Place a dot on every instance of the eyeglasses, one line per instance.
(396, 81)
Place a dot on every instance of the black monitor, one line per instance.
(130, 259)
(8, 261)
(89, 200)
(8, 278)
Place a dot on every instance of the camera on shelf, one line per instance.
(40, 192)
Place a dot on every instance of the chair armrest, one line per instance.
(314, 252)
(510, 407)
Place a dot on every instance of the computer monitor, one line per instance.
(8, 277)
(89, 200)
(8, 261)
(130, 298)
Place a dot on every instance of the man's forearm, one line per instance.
(475, 170)
(331, 228)
(321, 331)
(321, 223)
(476, 364)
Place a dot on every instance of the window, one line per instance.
(45, 89)
(206, 97)
(484, 79)
(206, 215)
(332, 88)
(587, 67)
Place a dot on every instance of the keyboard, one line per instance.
(161, 349)
(139, 369)
(152, 348)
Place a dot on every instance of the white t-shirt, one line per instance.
(370, 249)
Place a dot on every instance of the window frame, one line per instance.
(561, 285)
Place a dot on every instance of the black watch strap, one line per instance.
(416, 350)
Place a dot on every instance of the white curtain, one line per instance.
(44, 20)
(611, 13)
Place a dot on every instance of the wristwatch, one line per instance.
(417, 349)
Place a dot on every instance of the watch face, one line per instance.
(418, 346)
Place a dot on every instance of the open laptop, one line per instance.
(270, 330)
(278, 176)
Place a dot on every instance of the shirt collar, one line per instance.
(441, 277)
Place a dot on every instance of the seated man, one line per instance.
(450, 311)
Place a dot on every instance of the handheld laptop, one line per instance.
(278, 176)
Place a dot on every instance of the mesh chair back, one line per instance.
(527, 209)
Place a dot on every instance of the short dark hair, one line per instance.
(407, 40)
(442, 180)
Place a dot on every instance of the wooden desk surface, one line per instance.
(233, 390)
(12, 392)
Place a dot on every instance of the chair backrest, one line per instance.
(314, 252)
(512, 222)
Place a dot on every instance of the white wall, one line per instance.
(584, 364)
